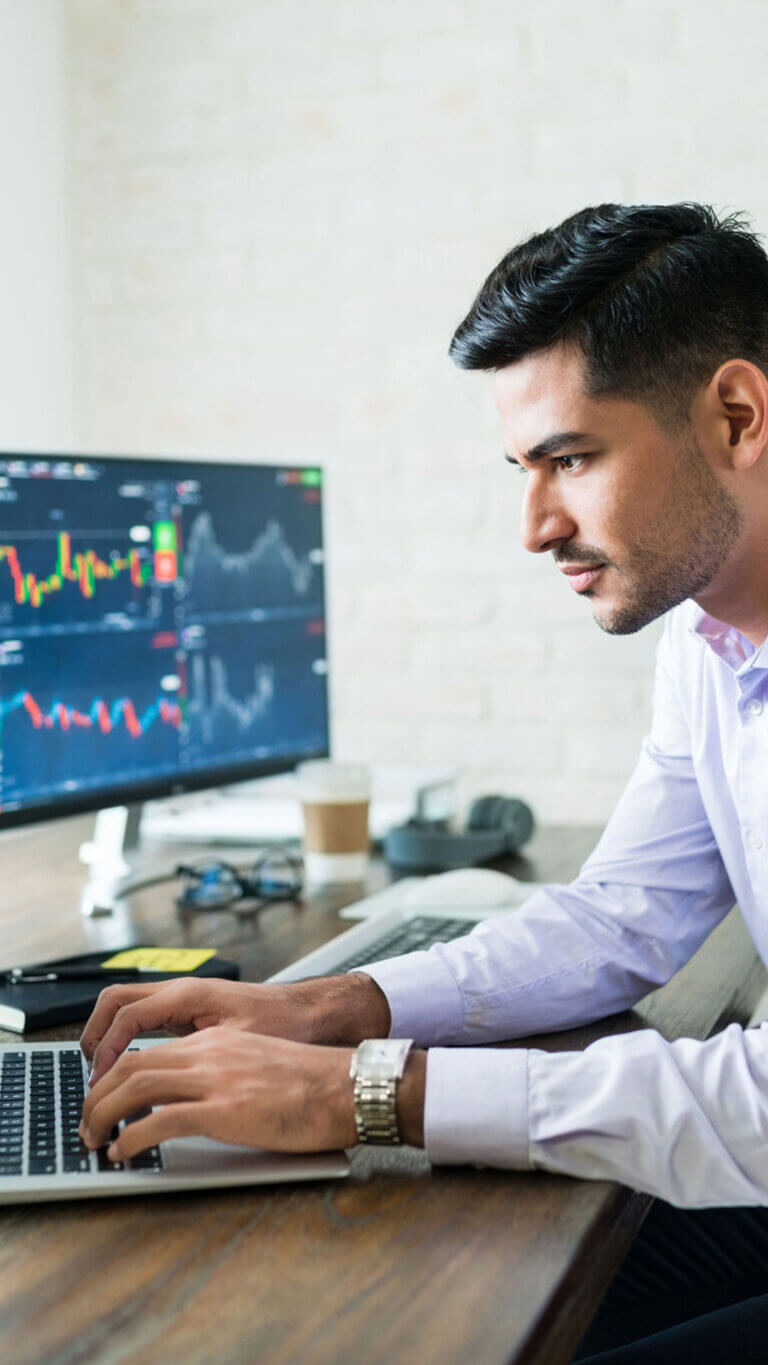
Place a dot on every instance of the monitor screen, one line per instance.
(162, 627)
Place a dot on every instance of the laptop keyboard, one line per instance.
(41, 1104)
(420, 932)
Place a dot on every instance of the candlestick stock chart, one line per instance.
(153, 626)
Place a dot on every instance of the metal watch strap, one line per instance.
(377, 1066)
(375, 1111)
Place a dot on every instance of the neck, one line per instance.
(738, 595)
(751, 625)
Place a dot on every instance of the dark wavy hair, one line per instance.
(656, 296)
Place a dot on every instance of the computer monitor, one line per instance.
(162, 628)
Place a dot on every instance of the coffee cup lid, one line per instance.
(322, 779)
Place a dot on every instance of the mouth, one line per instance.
(580, 578)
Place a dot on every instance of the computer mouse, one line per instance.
(468, 887)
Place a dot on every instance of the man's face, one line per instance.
(634, 516)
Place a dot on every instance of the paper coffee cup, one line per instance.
(335, 798)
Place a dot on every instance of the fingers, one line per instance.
(110, 1000)
(164, 1075)
(139, 1091)
(173, 1120)
(165, 1057)
(151, 1010)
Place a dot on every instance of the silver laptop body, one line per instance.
(40, 1157)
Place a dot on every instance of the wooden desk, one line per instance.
(400, 1263)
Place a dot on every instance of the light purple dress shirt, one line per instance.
(686, 1120)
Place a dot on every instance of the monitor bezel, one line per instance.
(129, 794)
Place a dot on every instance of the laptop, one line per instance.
(42, 1087)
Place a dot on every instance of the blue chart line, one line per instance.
(98, 716)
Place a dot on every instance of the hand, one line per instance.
(238, 1087)
(242, 1088)
(339, 1009)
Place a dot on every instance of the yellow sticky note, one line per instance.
(160, 959)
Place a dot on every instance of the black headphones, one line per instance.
(497, 826)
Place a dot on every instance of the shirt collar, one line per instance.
(728, 643)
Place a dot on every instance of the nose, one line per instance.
(544, 522)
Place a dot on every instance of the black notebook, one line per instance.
(29, 1005)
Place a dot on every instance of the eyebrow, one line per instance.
(551, 445)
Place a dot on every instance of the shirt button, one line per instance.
(753, 840)
(755, 707)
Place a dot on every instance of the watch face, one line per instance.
(377, 1053)
(387, 1053)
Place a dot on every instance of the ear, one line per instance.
(735, 404)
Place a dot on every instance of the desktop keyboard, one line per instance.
(41, 1104)
(412, 934)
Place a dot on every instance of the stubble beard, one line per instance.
(682, 562)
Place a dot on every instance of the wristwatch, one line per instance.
(377, 1065)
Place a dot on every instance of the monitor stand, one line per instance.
(116, 834)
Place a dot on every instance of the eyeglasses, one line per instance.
(276, 875)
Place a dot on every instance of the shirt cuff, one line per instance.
(476, 1107)
(424, 1000)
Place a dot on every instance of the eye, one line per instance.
(569, 463)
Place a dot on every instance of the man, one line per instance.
(629, 348)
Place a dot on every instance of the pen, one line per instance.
(21, 976)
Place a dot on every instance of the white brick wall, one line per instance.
(37, 380)
(284, 208)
